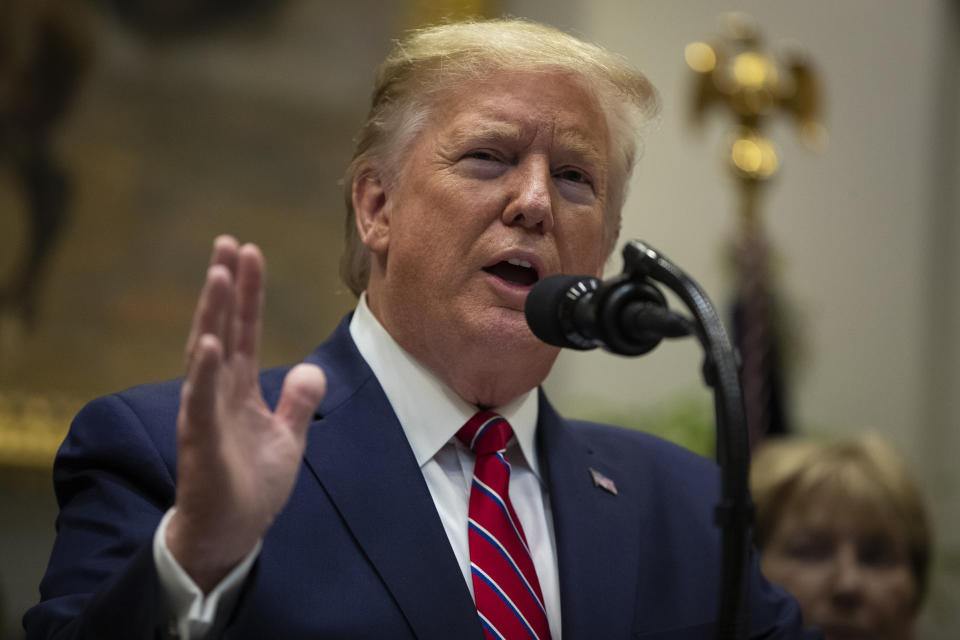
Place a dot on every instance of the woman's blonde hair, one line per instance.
(865, 473)
(443, 58)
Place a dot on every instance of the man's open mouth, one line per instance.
(515, 271)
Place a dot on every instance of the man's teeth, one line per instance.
(520, 263)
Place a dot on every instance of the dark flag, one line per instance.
(758, 336)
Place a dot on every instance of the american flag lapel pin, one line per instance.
(602, 481)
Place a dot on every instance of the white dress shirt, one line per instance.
(447, 468)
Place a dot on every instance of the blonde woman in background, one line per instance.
(843, 528)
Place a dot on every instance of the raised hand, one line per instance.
(237, 460)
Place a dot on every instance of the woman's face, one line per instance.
(850, 574)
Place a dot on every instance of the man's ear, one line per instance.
(371, 209)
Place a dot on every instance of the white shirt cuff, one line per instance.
(192, 615)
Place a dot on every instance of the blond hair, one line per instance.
(865, 472)
(442, 58)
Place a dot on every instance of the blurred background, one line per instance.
(134, 131)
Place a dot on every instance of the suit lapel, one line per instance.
(357, 450)
(597, 533)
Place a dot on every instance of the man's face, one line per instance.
(850, 574)
(507, 184)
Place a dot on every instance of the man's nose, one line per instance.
(531, 203)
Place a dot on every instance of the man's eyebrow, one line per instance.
(484, 132)
(581, 146)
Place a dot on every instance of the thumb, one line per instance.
(303, 390)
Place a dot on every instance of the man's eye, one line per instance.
(483, 155)
(573, 175)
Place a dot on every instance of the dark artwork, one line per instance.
(122, 155)
(44, 52)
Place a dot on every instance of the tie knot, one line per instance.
(486, 432)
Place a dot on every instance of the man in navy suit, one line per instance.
(330, 500)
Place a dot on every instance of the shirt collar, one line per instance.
(410, 387)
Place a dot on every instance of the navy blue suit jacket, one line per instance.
(360, 552)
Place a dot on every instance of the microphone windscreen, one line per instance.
(548, 304)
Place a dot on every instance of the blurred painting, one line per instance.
(128, 141)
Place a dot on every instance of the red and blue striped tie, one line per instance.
(505, 584)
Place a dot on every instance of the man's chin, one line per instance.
(513, 342)
(508, 328)
(507, 363)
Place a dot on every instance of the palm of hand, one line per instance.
(237, 460)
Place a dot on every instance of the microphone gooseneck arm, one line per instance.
(628, 315)
(734, 514)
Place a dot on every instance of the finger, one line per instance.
(224, 253)
(199, 392)
(213, 309)
(248, 319)
(303, 391)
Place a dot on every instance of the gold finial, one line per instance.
(737, 71)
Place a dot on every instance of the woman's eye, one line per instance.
(878, 553)
(810, 550)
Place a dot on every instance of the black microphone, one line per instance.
(620, 315)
